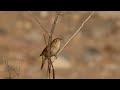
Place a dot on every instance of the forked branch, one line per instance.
(49, 48)
(50, 40)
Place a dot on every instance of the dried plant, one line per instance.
(11, 69)
(48, 44)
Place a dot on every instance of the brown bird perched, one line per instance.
(55, 47)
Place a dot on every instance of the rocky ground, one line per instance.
(93, 53)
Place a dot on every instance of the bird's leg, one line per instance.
(55, 56)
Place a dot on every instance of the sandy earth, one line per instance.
(93, 53)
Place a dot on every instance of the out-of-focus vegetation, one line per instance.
(93, 53)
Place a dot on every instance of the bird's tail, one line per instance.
(41, 54)
(43, 62)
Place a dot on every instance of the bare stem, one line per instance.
(8, 68)
(76, 32)
(45, 40)
(54, 24)
(38, 22)
(19, 71)
(49, 48)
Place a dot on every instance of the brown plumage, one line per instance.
(55, 47)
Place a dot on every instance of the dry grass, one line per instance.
(94, 53)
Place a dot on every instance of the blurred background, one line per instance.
(93, 54)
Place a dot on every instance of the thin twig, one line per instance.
(49, 48)
(38, 22)
(54, 24)
(8, 68)
(45, 40)
(48, 74)
(19, 70)
(76, 32)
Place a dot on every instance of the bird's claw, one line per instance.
(55, 56)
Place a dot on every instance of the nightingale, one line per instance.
(55, 47)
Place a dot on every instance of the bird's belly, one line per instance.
(54, 51)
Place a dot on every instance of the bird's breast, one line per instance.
(55, 48)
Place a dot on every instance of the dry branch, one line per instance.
(38, 22)
(75, 32)
(50, 40)
(49, 48)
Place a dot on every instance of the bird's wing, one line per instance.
(43, 61)
(43, 52)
